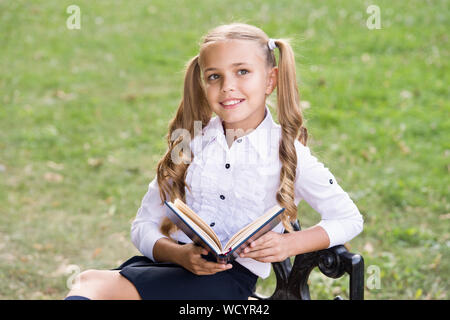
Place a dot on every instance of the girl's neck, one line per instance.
(235, 132)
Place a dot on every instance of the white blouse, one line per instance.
(232, 186)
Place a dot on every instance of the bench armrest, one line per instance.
(334, 262)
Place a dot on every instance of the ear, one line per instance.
(272, 80)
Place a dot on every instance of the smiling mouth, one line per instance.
(231, 104)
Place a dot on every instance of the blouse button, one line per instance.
(227, 166)
(222, 197)
(239, 140)
(212, 224)
(331, 181)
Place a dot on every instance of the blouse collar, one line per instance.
(261, 139)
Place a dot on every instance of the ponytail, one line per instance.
(193, 107)
(290, 119)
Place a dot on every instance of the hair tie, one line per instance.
(271, 44)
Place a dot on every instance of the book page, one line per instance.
(252, 227)
(188, 221)
(180, 205)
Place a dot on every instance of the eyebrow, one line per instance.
(234, 65)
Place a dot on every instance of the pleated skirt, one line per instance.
(168, 281)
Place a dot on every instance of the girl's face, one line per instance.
(237, 81)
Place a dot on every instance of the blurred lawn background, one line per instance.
(83, 115)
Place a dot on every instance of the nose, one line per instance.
(228, 84)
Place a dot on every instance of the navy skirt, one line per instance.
(168, 281)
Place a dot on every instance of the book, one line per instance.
(202, 234)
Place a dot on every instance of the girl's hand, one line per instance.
(190, 258)
(271, 247)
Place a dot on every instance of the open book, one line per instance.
(202, 234)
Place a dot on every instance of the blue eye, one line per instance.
(209, 77)
(215, 76)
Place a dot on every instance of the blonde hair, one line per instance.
(194, 107)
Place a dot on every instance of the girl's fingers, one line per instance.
(212, 267)
(267, 259)
(218, 266)
(257, 253)
(201, 250)
(265, 241)
(260, 253)
(256, 247)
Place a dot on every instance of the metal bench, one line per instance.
(292, 280)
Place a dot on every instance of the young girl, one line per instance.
(239, 164)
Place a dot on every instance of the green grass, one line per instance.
(83, 114)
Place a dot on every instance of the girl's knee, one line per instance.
(87, 278)
(104, 285)
(88, 283)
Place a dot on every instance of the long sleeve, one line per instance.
(145, 228)
(315, 184)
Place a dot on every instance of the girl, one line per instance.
(239, 164)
